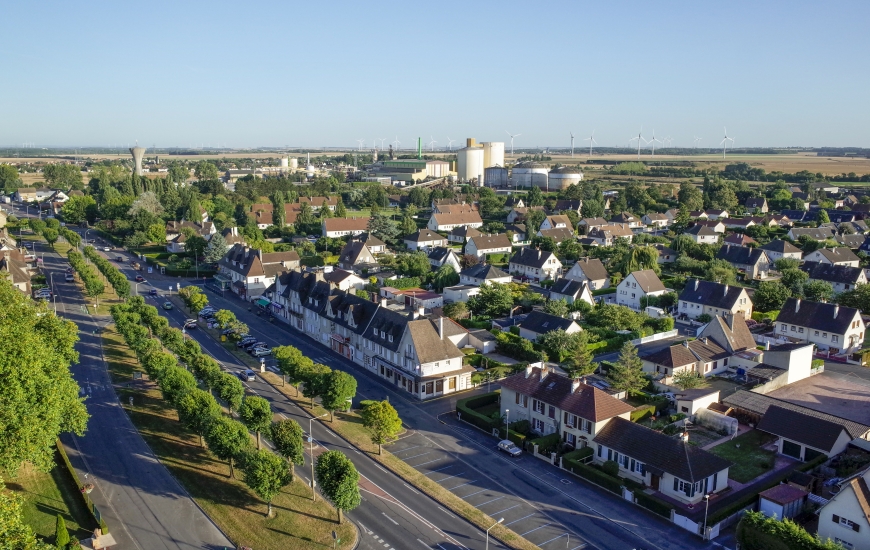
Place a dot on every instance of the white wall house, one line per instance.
(638, 285)
(831, 327)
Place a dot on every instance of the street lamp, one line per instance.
(86, 237)
(706, 508)
(487, 531)
(507, 415)
(311, 452)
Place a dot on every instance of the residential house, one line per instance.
(608, 234)
(460, 235)
(851, 200)
(702, 234)
(424, 239)
(250, 271)
(316, 203)
(656, 220)
(514, 201)
(588, 224)
(627, 218)
(484, 245)
(13, 268)
(834, 256)
(703, 356)
(559, 234)
(713, 214)
(752, 261)
(814, 233)
(777, 249)
(672, 214)
(232, 237)
(537, 323)
(263, 214)
(441, 255)
(838, 329)
(356, 256)
(565, 205)
(739, 239)
(342, 227)
(698, 215)
(590, 270)
(460, 293)
(176, 239)
(374, 244)
(845, 519)
(757, 205)
(533, 264)
(25, 194)
(571, 291)
(482, 274)
(853, 241)
(556, 221)
(840, 277)
(637, 286)
(705, 297)
(517, 231)
(345, 280)
(737, 223)
(518, 215)
(667, 255)
(803, 436)
(447, 222)
(689, 402)
(448, 206)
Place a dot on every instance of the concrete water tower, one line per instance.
(138, 153)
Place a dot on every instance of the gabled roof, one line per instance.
(542, 323)
(839, 254)
(585, 401)
(711, 294)
(817, 316)
(738, 239)
(655, 216)
(815, 233)
(489, 242)
(854, 240)
(352, 251)
(531, 257)
(780, 246)
(440, 254)
(701, 230)
(346, 224)
(674, 356)
(392, 323)
(665, 453)
(592, 221)
(370, 240)
(737, 335)
(740, 255)
(483, 272)
(783, 494)
(465, 232)
(431, 347)
(564, 204)
(648, 280)
(338, 275)
(557, 219)
(624, 217)
(592, 268)
(809, 430)
(567, 287)
(424, 236)
(558, 234)
(755, 202)
(843, 274)
(351, 311)
(612, 230)
(459, 218)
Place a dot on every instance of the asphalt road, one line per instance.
(143, 505)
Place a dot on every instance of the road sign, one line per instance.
(150, 270)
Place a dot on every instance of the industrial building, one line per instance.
(526, 174)
(563, 177)
(475, 158)
(414, 169)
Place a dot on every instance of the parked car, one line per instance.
(69, 269)
(190, 323)
(260, 352)
(107, 249)
(228, 331)
(245, 341)
(508, 446)
(208, 309)
(251, 345)
(152, 292)
(69, 278)
(140, 279)
(167, 305)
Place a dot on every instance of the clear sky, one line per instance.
(326, 73)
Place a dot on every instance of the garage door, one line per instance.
(791, 449)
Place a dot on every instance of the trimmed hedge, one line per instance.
(546, 444)
(466, 407)
(642, 412)
(652, 503)
(407, 282)
(759, 532)
(578, 455)
(594, 475)
(468, 323)
(516, 437)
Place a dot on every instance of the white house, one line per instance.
(482, 274)
(838, 329)
(627, 218)
(571, 291)
(608, 234)
(536, 265)
(556, 221)
(840, 277)
(484, 245)
(845, 519)
(834, 256)
(424, 239)
(700, 297)
(342, 227)
(537, 323)
(777, 249)
(590, 270)
(702, 234)
(638, 285)
(656, 220)
(447, 222)
(440, 256)
(804, 436)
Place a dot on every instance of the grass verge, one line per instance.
(297, 523)
(746, 452)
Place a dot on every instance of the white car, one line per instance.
(69, 277)
(260, 352)
(107, 249)
(508, 446)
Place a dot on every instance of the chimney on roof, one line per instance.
(704, 339)
(726, 291)
(575, 384)
(686, 344)
(836, 310)
(767, 345)
(544, 371)
(528, 370)
(797, 305)
(539, 253)
(696, 283)
(441, 327)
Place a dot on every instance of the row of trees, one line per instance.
(336, 389)
(112, 274)
(93, 284)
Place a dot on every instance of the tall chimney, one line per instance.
(696, 284)
(528, 370)
(441, 327)
(575, 384)
(836, 310)
(797, 305)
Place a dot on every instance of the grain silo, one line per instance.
(564, 177)
(493, 153)
(285, 163)
(469, 164)
(294, 163)
(526, 174)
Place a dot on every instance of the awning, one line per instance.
(277, 306)
(263, 302)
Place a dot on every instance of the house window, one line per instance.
(824, 335)
(538, 406)
(551, 412)
(793, 328)
(570, 438)
(538, 425)
(587, 426)
(835, 338)
(801, 330)
(844, 544)
(600, 449)
(846, 523)
(816, 333)
(391, 338)
(782, 328)
(375, 331)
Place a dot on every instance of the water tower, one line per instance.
(138, 153)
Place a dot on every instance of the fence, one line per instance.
(655, 337)
(92, 508)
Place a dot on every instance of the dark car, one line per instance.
(251, 345)
(152, 292)
(139, 278)
(119, 259)
(245, 341)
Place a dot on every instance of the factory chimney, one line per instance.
(419, 148)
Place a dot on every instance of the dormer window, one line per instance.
(375, 331)
(309, 299)
(382, 334)
(391, 337)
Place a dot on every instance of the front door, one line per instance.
(654, 482)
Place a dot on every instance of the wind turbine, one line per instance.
(724, 142)
(591, 140)
(572, 144)
(653, 142)
(397, 143)
(639, 139)
(432, 143)
(695, 143)
(512, 140)
(450, 143)
(361, 142)
(382, 143)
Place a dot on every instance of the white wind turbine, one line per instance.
(724, 142)
(450, 143)
(382, 143)
(591, 140)
(639, 139)
(512, 140)
(695, 143)
(361, 143)
(397, 143)
(572, 144)
(653, 142)
(432, 143)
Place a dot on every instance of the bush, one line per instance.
(652, 503)
(522, 426)
(366, 402)
(610, 468)
(475, 324)
(578, 455)
(547, 444)
(407, 282)
(595, 476)
(642, 412)
(514, 436)
(466, 407)
(759, 532)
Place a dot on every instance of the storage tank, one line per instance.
(526, 174)
(495, 176)
(285, 163)
(469, 164)
(493, 153)
(564, 177)
(294, 163)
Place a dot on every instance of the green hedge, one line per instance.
(578, 455)
(311, 261)
(468, 323)
(653, 504)
(759, 532)
(466, 408)
(642, 412)
(603, 291)
(407, 282)
(516, 437)
(546, 444)
(88, 503)
(594, 475)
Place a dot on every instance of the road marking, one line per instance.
(535, 529)
(472, 494)
(438, 470)
(430, 462)
(488, 501)
(423, 543)
(389, 518)
(466, 483)
(506, 509)
(446, 512)
(522, 518)
(448, 477)
(409, 487)
(407, 458)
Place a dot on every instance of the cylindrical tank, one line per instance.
(294, 163)
(469, 165)
(493, 153)
(285, 163)
(309, 171)
(564, 177)
(530, 173)
(495, 176)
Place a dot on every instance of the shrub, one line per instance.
(546, 444)
(516, 437)
(522, 426)
(642, 412)
(610, 468)
(407, 282)
(365, 403)
(466, 407)
(652, 503)
(578, 455)
(595, 476)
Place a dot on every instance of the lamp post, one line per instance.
(487, 531)
(507, 415)
(311, 452)
(706, 508)
(86, 238)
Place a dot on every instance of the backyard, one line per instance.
(747, 453)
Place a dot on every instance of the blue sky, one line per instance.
(318, 73)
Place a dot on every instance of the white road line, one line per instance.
(423, 543)
(552, 539)
(506, 509)
(389, 518)
(409, 487)
(448, 477)
(535, 529)
(472, 494)
(430, 462)
(488, 501)
(438, 470)
(415, 456)
(364, 528)
(446, 512)
(466, 483)
(522, 518)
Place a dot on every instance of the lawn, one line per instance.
(745, 451)
(48, 494)
(297, 523)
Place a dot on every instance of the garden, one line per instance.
(748, 454)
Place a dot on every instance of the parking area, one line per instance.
(486, 493)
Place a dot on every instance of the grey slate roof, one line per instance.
(567, 287)
(842, 274)
(484, 271)
(593, 268)
(740, 255)
(809, 430)
(531, 257)
(701, 231)
(711, 294)
(558, 234)
(542, 323)
(817, 315)
(839, 254)
(780, 246)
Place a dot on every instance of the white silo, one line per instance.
(294, 163)
(138, 153)
(493, 153)
(564, 177)
(285, 163)
(526, 174)
(469, 164)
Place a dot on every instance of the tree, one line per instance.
(818, 291)
(216, 249)
(205, 170)
(175, 382)
(783, 264)
(195, 245)
(534, 219)
(859, 298)
(75, 210)
(50, 236)
(17, 535)
(340, 209)
(690, 197)
(494, 299)
(413, 264)
(278, 209)
(61, 535)
(37, 226)
(627, 373)
(445, 276)
(146, 202)
(556, 343)
(793, 280)
(688, 379)
(9, 179)
(770, 296)
(224, 317)
(456, 310)
(823, 216)
(313, 377)
(265, 474)
(338, 480)
(305, 217)
(40, 400)
(286, 434)
(579, 357)
(197, 409)
(382, 420)
(292, 363)
(382, 227)
(756, 531)
(638, 258)
(339, 388)
(256, 413)
(230, 390)
(227, 439)
(559, 308)
(721, 272)
(178, 174)
(535, 197)
(63, 176)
